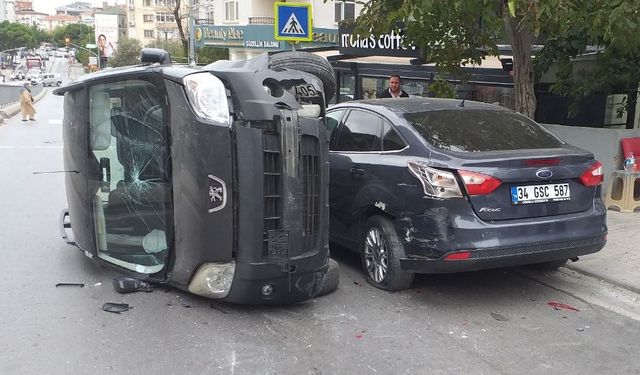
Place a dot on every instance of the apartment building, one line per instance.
(148, 20)
(246, 27)
(59, 20)
(7, 10)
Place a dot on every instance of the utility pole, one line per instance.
(192, 37)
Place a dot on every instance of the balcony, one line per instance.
(261, 20)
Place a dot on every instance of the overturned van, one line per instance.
(213, 180)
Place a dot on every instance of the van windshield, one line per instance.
(471, 130)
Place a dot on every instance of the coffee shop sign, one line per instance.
(391, 41)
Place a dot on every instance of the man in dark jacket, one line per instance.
(394, 90)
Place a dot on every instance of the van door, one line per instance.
(132, 207)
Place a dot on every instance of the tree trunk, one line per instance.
(183, 39)
(523, 78)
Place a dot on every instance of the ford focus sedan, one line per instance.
(441, 185)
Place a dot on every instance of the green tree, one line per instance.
(174, 47)
(207, 55)
(610, 30)
(15, 35)
(456, 33)
(77, 33)
(128, 53)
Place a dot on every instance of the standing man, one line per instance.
(394, 90)
(26, 104)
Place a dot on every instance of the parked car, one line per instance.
(51, 79)
(35, 81)
(186, 176)
(34, 73)
(17, 75)
(436, 186)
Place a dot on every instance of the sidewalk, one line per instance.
(619, 262)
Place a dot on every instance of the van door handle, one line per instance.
(356, 171)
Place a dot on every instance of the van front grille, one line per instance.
(310, 159)
(272, 180)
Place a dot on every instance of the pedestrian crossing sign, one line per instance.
(293, 22)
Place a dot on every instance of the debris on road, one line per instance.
(80, 285)
(558, 306)
(130, 285)
(499, 317)
(116, 308)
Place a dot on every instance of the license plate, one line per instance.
(540, 193)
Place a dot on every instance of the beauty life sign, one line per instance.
(388, 44)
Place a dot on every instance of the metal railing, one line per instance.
(11, 93)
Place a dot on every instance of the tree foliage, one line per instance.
(77, 33)
(609, 30)
(15, 35)
(128, 53)
(455, 33)
(207, 55)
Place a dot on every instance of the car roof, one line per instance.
(419, 104)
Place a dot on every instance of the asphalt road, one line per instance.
(496, 322)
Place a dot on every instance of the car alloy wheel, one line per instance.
(375, 255)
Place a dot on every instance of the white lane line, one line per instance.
(30, 147)
(55, 122)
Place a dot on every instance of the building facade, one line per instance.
(59, 20)
(246, 27)
(149, 20)
(7, 10)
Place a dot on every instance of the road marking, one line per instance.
(30, 147)
(55, 122)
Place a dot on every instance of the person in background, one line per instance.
(26, 104)
(394, 90)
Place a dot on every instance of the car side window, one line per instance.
(360, 132)
(332, 121)
(391, 140)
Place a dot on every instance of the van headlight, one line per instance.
(213, 280)
(207, 96)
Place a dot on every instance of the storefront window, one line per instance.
(347, 87)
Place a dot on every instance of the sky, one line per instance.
(49, 6)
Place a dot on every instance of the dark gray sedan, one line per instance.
(437, 185)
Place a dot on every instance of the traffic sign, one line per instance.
(293, 22)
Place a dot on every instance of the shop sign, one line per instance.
(388, 44)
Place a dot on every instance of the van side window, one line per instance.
(360, 133)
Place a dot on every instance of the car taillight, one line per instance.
(435, 182)
(478, 183)
(593, 176)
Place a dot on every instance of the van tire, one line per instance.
(308, 63)
(395, 278)
(332, 280)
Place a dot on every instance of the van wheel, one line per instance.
(381, 252)
(332, 281)
(58, 83)
(549, 266)
(309, 63)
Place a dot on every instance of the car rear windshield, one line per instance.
(480, 130)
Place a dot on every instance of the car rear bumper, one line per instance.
(506, 256)
(430, 236)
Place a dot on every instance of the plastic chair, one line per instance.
(624, 190)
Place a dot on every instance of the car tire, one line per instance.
(380, 252)
(550, 265)
(332, 281)
(309, 63)
(58, 83)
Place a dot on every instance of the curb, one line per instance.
(603, 278)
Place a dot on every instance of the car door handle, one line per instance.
(356, 171)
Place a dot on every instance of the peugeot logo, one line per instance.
(544, 173)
